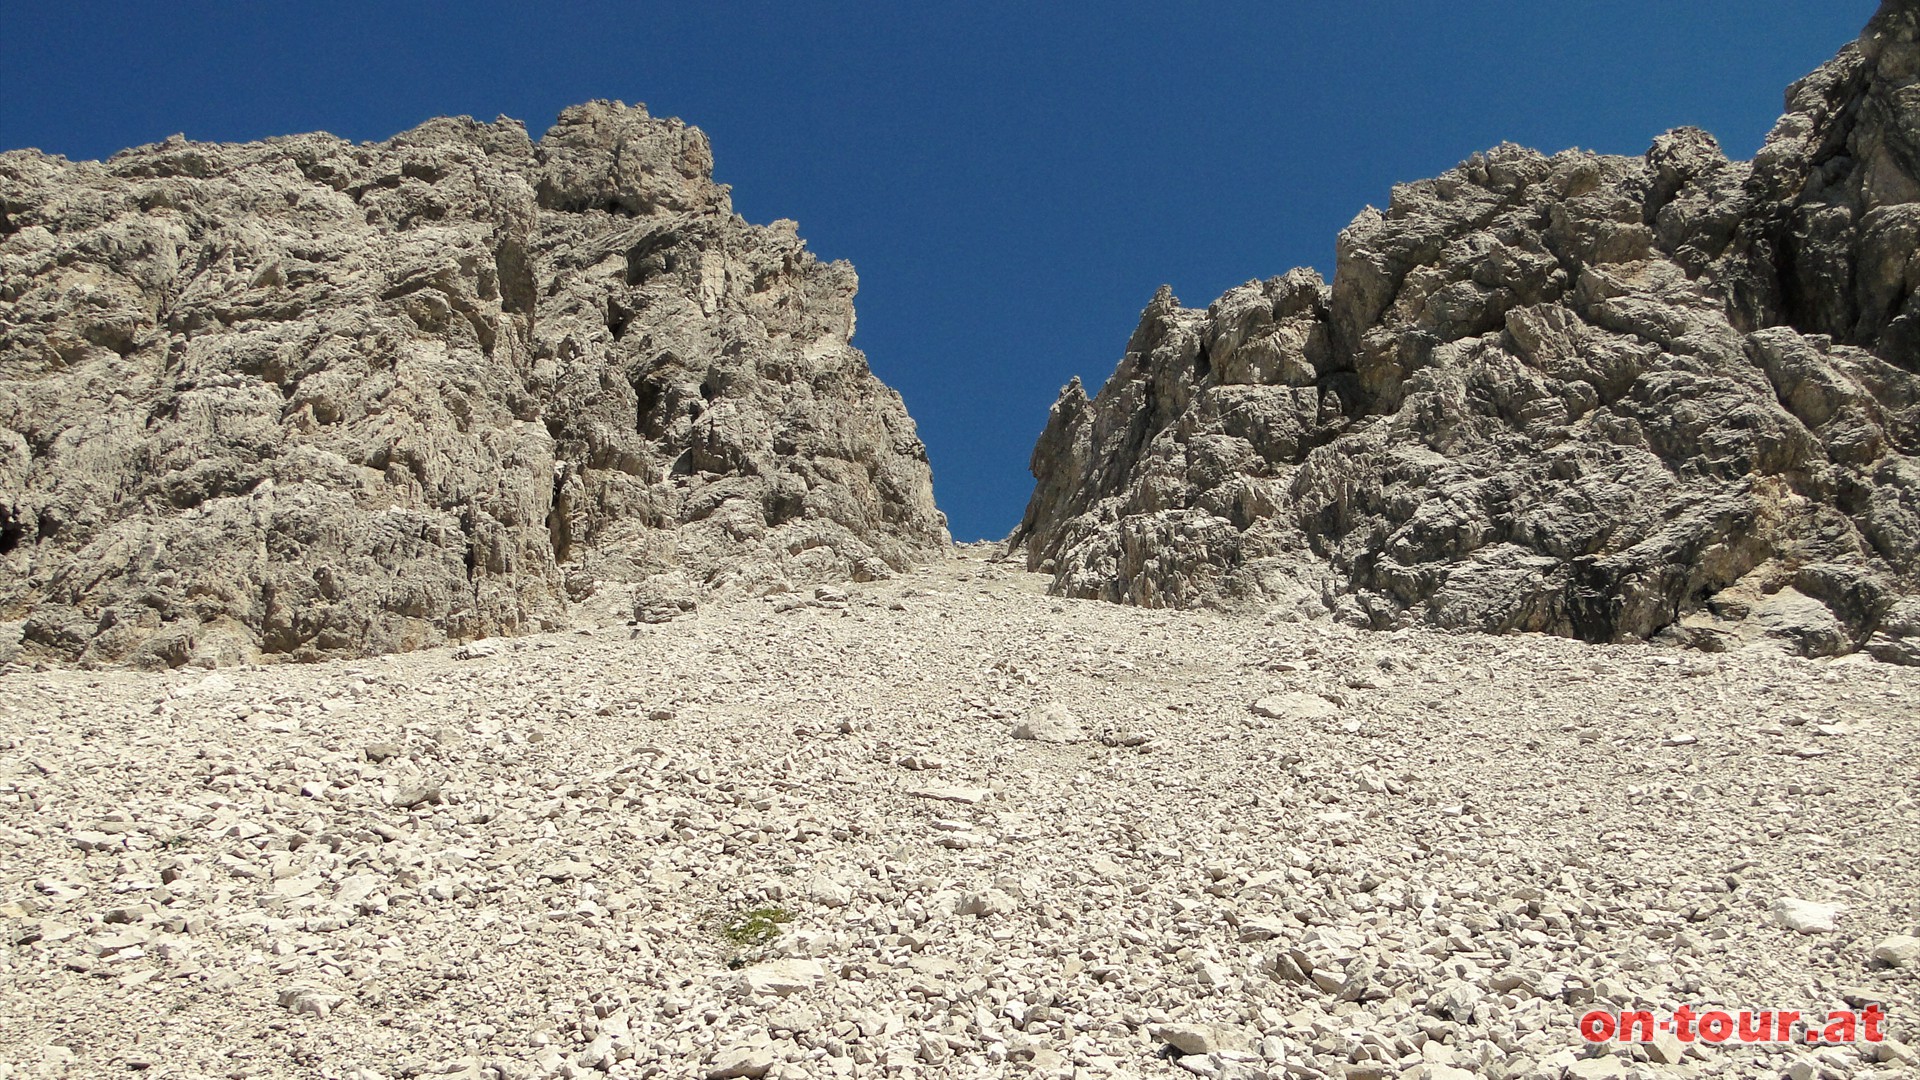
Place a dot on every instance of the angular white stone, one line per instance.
(1807, 916)
(782, 978)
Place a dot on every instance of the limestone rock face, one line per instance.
(1594, 396)
(305, 397)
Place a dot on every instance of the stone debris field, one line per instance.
(944, 825)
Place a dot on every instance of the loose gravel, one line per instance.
(947, 826)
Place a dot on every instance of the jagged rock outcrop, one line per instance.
(304, 397)
(1595, 396)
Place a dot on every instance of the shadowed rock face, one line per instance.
(311, 398)
(1595, 396)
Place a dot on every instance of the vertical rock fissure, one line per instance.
(560, 517)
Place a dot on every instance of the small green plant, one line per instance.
(751, 929)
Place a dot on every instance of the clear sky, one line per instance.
(1012, 180)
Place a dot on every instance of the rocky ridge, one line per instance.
(1595, 396)
(306, 397)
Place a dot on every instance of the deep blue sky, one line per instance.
(1012, 180)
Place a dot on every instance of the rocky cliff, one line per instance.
(304, 397)
(1596, 396)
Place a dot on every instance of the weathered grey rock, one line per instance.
(1666, 1048)
(782, 978)
(1898, 951)
(746, 1060)
(1202, 1038)
(305, 397)
(1294, 706)
(1807, 916)
(1595, 396)
(318, 1004)
(1052, 723)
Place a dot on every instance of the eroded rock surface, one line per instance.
(307, 397)
(1595, 396)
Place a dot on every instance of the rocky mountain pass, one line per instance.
(467, 610)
